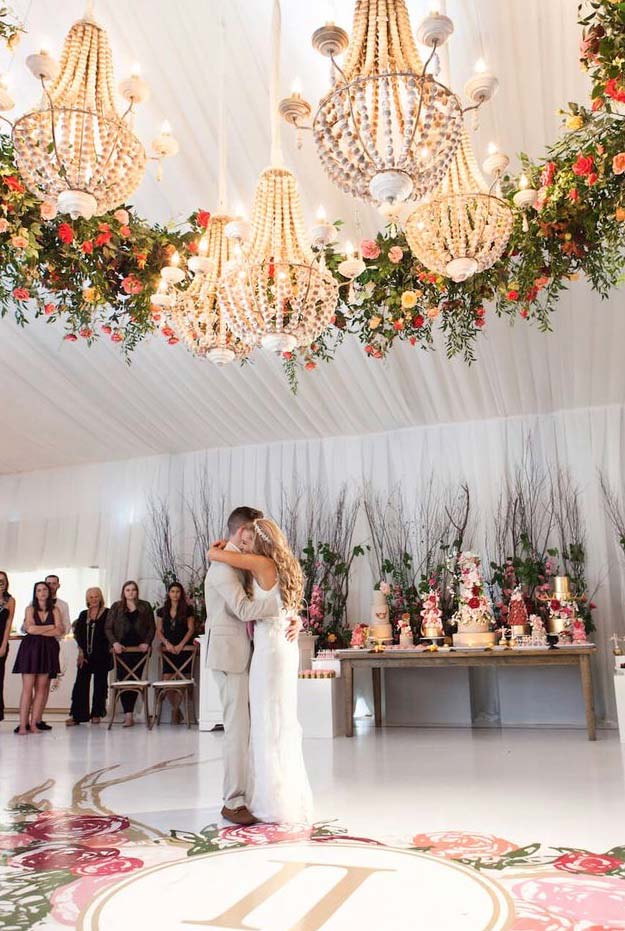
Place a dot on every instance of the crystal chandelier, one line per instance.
(278, 293)
(195, 314)
(76, 147)
(387, 129)
(465, 226)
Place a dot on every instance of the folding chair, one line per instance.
(133, 682)
(182, 680)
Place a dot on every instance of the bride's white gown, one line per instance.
(279, 787)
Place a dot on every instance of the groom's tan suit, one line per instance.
(228, 611)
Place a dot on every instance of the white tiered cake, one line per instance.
(474, 616)
(380, 627)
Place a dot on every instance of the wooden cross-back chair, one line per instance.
(133, 682)
(182, 680)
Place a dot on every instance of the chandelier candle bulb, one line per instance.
(134, 89)
(482, 85)
(172, 273)
(42, 66)
(495, 162)
(435, 30)
(165, 145)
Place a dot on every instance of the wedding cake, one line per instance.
(432, 617)
(380, 627)
(474, 616)
(406, 639)
(517, 615)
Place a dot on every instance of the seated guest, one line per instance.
(130, 623)
(7, 610)
(94, 660)
(175, 627)
(38, 656)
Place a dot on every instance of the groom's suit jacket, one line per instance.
(228, 610)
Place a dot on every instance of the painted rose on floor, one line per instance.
(456, 845)
(582, 861)
(586, 902)
(534, 918)
(259, 834)
(62, 857)
(61, 826)
(69, 901)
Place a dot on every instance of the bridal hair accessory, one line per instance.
(262, 533)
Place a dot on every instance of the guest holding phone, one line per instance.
(130, 623)
(94, 661)
(175, 626)
(7, 610)
(38, 656)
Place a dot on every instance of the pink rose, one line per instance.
(587, 901)
(122, 216)
(456, 844)
(47, 211)
(19, 242)
(113, 867)
(69, 901)
(260, 834)
(4, 225)
(369, 249)
(395, 255)
(13, 841)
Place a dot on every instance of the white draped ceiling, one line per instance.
(72, 411)
(67, 404)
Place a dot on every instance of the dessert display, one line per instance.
(474, 617)
(517, 615)
(406, 640)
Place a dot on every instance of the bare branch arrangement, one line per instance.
(161, 542)
(614, 508)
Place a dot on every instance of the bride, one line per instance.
(279, 790)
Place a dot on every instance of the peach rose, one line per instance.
(19, 242)
(4, 225)
(375, 322)
(433, 312)
(395, 255)
(47, 210)
(122, 216)
(369, 249)
(618, 164)
(456, 844)
(620, 214)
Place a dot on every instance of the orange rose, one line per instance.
(620, 214)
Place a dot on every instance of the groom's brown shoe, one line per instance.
(239, 816)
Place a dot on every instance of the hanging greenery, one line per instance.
(96, 276)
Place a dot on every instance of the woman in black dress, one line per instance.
(38, 656)
(175, 627)
(7, 610)
(94, 660)
(130, 623)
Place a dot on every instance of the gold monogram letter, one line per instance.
(315, 918)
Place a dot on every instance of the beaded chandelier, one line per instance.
(278, 294)
(76, 147)
(387, 130)
(195, 314)
(465, 226)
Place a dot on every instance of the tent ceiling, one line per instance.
(66, 404)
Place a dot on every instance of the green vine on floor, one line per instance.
(96, 277)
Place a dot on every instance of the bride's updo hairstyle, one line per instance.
(270, 541)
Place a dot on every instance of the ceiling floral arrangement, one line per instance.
(565, 215)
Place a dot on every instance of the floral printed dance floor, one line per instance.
(85, 866)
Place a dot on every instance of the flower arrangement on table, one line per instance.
(360, 636)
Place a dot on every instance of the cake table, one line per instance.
(579, 656)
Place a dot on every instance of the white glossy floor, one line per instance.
(542, 786)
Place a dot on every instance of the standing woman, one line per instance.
(130, 623)
(94, 660)
(7, 610)
(175, 627)
(38, 656)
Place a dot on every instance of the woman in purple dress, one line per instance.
(38, 656)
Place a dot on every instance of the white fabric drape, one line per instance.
(95, 514)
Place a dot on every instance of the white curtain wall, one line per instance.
(94, 515)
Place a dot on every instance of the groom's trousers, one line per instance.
(234, 694)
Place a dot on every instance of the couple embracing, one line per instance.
(254, 592)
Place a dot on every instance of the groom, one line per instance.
(229, 617)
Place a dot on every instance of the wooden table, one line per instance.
(402, 659)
